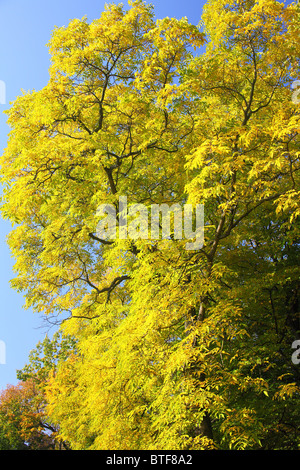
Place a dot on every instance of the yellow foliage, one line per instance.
(177, 349)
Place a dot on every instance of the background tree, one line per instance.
(24, 423)
(176, 349)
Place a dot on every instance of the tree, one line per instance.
(176, 349)
(22, 424)
(45, 358)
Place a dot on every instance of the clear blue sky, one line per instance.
(25, 29)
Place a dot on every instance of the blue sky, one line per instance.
(25, 29)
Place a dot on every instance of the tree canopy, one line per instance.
(175, 349)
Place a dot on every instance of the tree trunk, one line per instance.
(205, 428)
